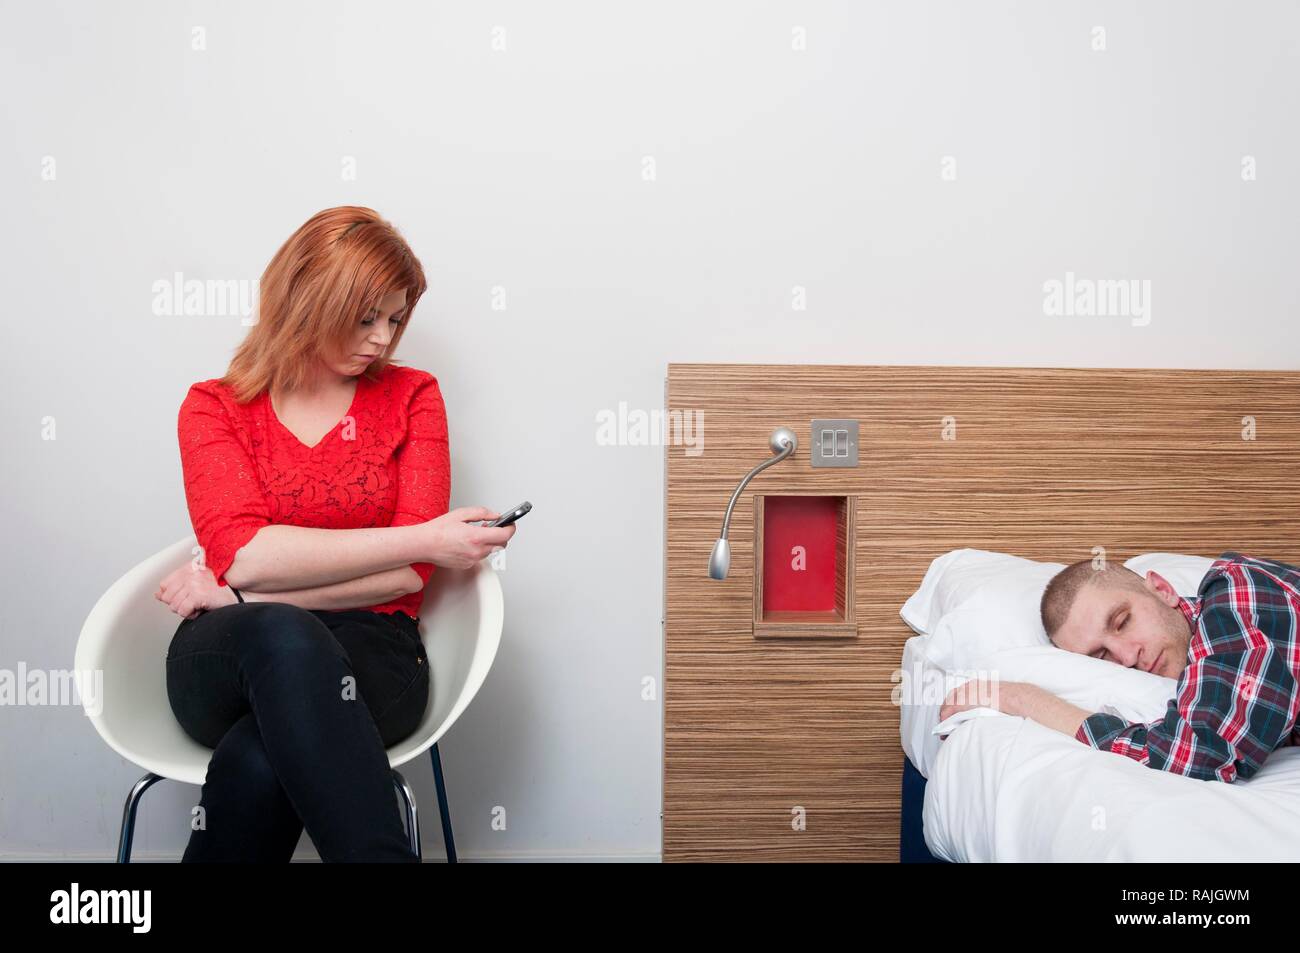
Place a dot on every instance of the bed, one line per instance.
(1007, 789)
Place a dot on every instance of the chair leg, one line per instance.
(412, 819)
(403, 788)
(128, 816)
(442, 805)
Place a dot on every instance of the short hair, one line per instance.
(1059, 596)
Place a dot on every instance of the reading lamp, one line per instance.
(783, 443)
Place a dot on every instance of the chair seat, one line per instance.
(128, 632)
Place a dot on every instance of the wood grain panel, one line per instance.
(1046, 463)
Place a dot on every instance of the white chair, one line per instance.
(127, 634)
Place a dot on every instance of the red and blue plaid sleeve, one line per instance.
(1238, 698)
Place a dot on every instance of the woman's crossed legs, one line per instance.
(299, 707)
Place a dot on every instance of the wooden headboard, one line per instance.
(1046, 463)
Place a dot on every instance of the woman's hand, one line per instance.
(456, 544)
(191, 589)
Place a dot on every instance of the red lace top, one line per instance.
(386, 463)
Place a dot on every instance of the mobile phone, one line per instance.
(512, 515)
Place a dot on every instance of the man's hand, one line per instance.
(982, 693)
(190, 590)
(1015, 698)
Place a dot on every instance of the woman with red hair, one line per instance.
(318, 479)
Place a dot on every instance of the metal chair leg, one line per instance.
(128, 816)
(403, 788)
(412, 819)
(442, 805)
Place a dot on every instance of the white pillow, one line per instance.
(1183, 572)
(956, 576)
(1002, 614)
(1015, 583)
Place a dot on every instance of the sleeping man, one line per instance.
(1233, 650)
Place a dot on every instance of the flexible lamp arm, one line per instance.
(783, 443)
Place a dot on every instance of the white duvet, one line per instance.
(1009, 789)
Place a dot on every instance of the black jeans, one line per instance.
(299, 706)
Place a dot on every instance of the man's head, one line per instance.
(1114, 614)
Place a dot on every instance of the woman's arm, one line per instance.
(281, 558)
(372, 590)
(192, 588)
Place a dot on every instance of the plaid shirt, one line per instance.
(1238, 698)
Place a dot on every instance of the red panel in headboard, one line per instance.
(810, 522)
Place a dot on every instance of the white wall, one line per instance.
(522, 168)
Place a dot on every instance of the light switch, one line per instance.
(835, 443)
